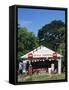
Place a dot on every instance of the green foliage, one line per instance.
(52, 34)
(26, 41)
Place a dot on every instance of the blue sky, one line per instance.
(34, 19)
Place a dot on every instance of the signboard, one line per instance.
(54, 55)
(30, 56)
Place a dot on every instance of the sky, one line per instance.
(34, 19)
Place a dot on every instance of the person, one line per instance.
(20, 67)
(24, 67)
(27, 66)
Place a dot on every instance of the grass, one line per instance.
(40, 77)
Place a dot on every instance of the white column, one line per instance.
(59, 66)
(49, 71)
(52, 67)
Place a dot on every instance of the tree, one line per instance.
(52, 34)
(26, 41)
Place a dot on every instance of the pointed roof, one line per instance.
(40, 52)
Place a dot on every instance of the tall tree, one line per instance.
(52, 34)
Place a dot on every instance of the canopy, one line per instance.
(41, 52)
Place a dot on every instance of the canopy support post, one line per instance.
(59, 66)
(52, 67)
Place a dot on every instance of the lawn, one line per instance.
(40, 77)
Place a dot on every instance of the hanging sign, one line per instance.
(30, 56)
(54, 55)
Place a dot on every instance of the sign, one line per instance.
(54, 55)
(30, 56)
